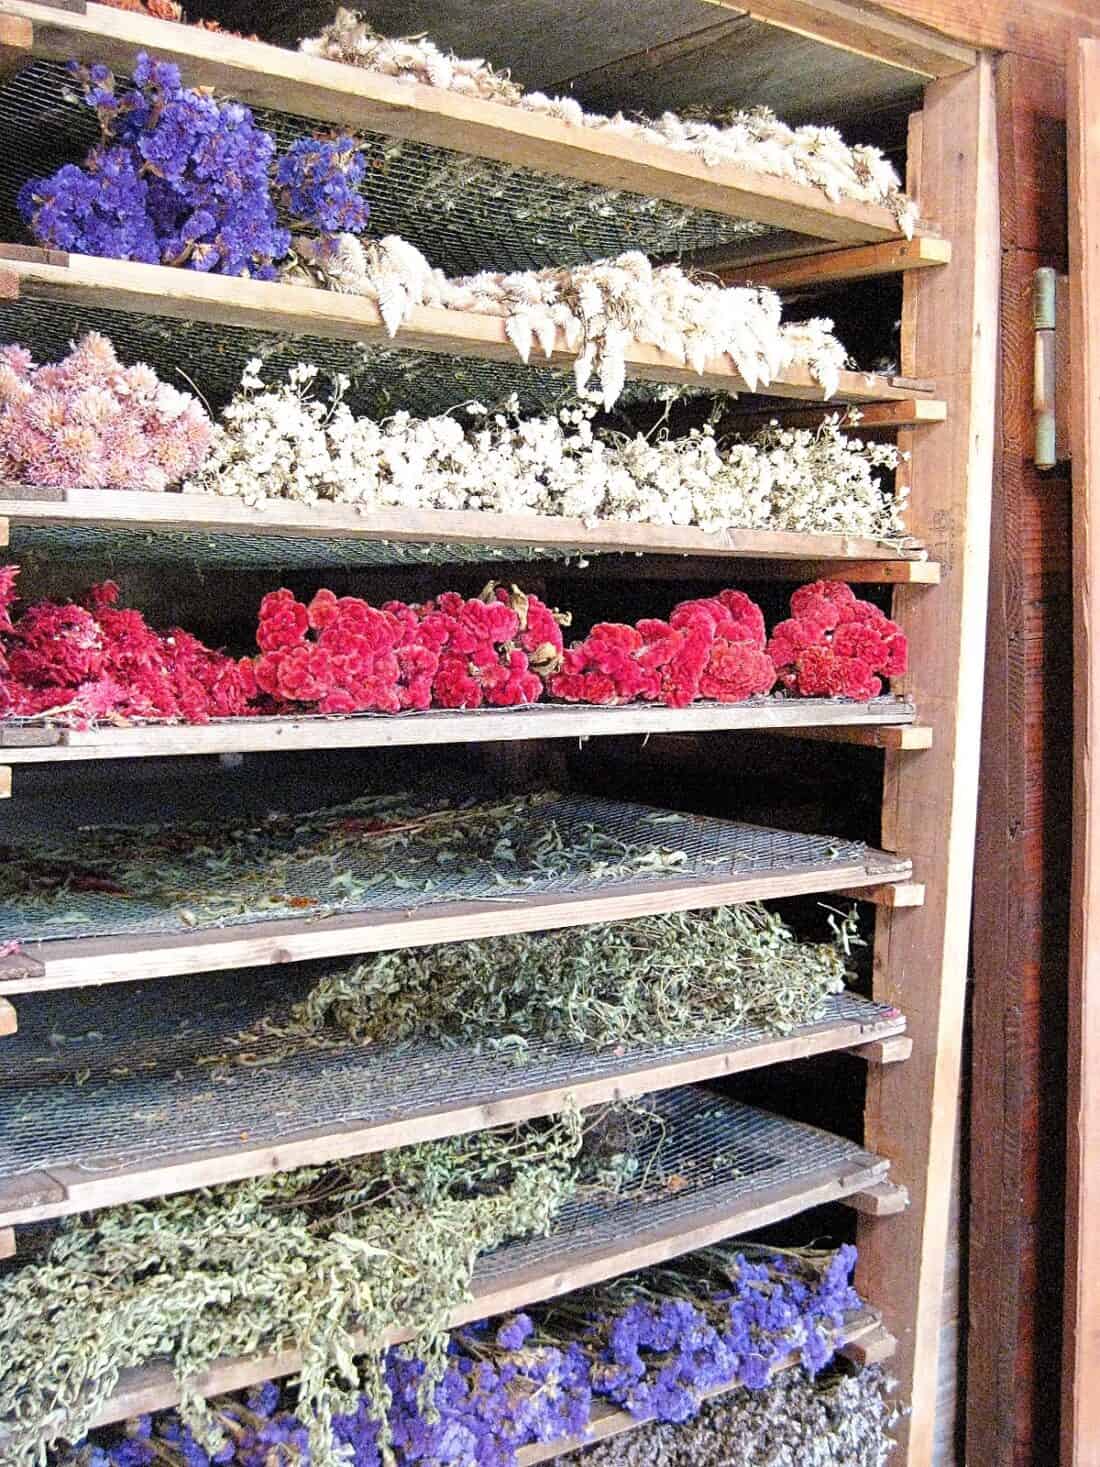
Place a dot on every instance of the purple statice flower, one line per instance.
(320, 179)
(515, 1331)
(263, 1399)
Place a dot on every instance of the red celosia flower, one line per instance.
(284, 621)
(836, 645)
(735, 671)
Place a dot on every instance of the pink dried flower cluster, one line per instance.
(89, 422)
(101, 661)
(342, 655)
(712, 647)
(836, 646)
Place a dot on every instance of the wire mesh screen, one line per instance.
(92, 1083)
(104, 881)
(466, 214)
(711, 1153)
(107, 546)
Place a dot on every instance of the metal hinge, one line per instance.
(1050, 313)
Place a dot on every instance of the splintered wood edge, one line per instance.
(61, 1191)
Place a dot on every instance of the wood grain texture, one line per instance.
(912, 1110)
(1081, 1312)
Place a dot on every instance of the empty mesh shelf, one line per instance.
(112, 1100)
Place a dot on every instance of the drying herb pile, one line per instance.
(291, 441)
(651, 1345)
(398, 846)
(99, 661)
(89, 422)
(325, 1260)
(834, 1421)
(653, 980)
(836, 645)
(754, 139)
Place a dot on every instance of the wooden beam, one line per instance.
(831, 267)
(96, 1180)
(884, 1199)
(950, 328)
(885, 1051)
(897, 894)
(865, 31)
(1081, 1298)
(9, 1022)
(328, 91)
(161, 291)
(78, 962)
(911, 737)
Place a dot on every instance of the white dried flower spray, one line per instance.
(597, 310)
(287, 442)
(755, 139)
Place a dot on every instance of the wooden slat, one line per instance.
(574, 1267)
(261, 305)
(911, 736)
(493, 725)
(863, 1332)
(77, 962)
(100, 1182)
(5, 781)
(122, 509)
(9, 1023)
(885, 1199)
(885, 1051)
(1081, 1310)
(897, 894)
(867, 31)
(833, 267)
(874, 416)
(912, 1110)
(286, 80)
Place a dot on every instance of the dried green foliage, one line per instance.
(326, 1260)
(660, 979)
(319, 861)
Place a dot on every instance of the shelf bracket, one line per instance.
(870, 1349)
(5, 781)
(7, 1242)
(893, 894)
(889, 1051)
(16, 39)
(9, 1023)
(878, 736)
(884, 1199)
(1050, 313)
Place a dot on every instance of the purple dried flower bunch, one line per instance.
(181, 177)
(653, 1344)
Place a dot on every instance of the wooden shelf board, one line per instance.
(101, 1182)
(80, 962)
(858, 1332)
(108, 509)
(831, 267)
(261, 305)
(328, 91)
(541, 721)
(575, 1266)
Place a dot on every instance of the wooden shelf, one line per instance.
(594, 1244)
(76, 962)
(328, 91)
(862, 1332)
(273, 1119)
(22, 744)
(158, 290)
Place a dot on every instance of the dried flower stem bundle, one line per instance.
(654, 980)
(754, 139)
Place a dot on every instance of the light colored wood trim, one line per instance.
(438, 727)
(159, 290)
(897, 894)
(83, 1188)
(831, 267)
(5, 782)
(9, 1022)
(270, 76)
(864, 30)
(80, 962)
(885, 1051)
(122, 509)
(862, 1331)
(913, 736)
(885, 1199)
(950, 328)
(574, 1267)
(1081, 1307)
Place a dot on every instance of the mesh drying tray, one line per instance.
(247, 886)
(465, 213)
(99, 1086)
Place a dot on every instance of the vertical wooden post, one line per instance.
(950, 333)
(1081, 1322)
